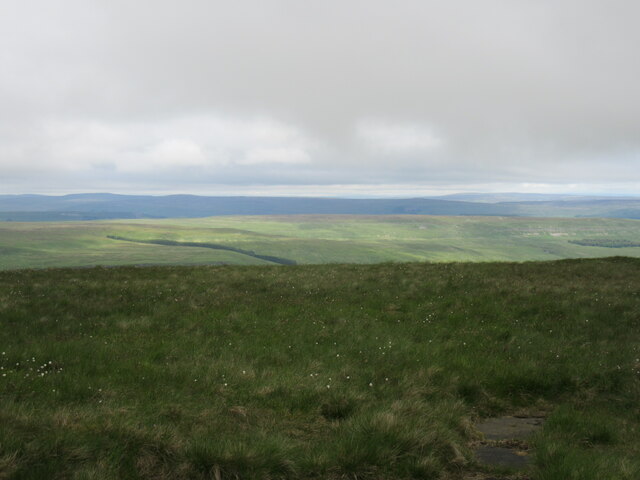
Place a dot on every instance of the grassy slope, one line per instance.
(37, 245)
(329, 371)
(312, 239)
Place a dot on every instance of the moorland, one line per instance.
(312, 239)
(318, 371)
(317, 346)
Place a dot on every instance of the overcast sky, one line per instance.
(323, 97)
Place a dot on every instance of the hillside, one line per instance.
(98, 206)
(104, 205)
(313, 239)
(317, 372)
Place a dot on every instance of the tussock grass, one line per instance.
(309, 372)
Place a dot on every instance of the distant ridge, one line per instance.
(529, 197)
(96, 206)
(104, 205)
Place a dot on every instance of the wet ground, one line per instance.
(505, 443)
(510, 428)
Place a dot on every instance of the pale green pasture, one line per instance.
(311, 239)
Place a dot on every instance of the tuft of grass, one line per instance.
(262, 456)
(338, 407)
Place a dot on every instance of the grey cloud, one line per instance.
(504, 91)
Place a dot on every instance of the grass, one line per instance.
(312, 239)
(313, 372)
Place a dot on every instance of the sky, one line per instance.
(332, 97)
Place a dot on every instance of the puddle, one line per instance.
(505, 441)
(502, 456)
(510, 428)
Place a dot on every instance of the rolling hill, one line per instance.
(313, 239)
(110, 206)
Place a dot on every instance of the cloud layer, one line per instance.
(180, 96)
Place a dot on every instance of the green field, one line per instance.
(365, 372)
(314, 239)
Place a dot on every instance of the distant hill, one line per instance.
(526, 197)
(96, 206)
(588, 207)
(104, 205)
